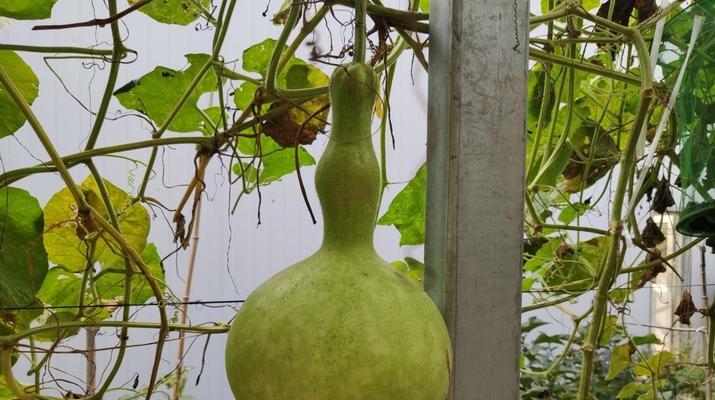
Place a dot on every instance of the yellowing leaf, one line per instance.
(63, 244)
(656, 364)
(620, 359)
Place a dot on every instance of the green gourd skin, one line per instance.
(341, 324)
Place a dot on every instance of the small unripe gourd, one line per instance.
(341, 324)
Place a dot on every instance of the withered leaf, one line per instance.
(652, 235)
(685, 309)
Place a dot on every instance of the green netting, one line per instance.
(695, 114)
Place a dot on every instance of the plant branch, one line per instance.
(57, 49)
(97, 21)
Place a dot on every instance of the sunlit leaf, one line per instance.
(23, 260)
(26, 9)
(157, 93)
(178, 12)
(407, 210)
(620, 359)
(631, 390)
(62, 240)
(656, 364)
(25, 81)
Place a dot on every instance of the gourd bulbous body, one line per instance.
(341, 324)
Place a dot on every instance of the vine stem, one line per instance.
(384, 122)
(117, 54)
(609, 270)
(10, 382)
(45, 140)
(57, 49)
(272, 73)
(184, 312)
(359, 49)
(136, 258)
(10, 340)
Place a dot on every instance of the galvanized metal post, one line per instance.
(475, 156)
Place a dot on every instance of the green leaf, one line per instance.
(656, 364)
(647, 339)
(276, 162)
(631, 390)
(413, 269)
(157, 93)
(619, 296)
(5, 393)
(55, 320)
(424, 5)
(177, 12)
(531, 324)
(407, 210)
(609, 329)
(620, 359)
(257, 57)
(61, 238)
(61, 289)
(573, 211)
(110, 286)
(26, 83)
(551, 339)
(23, 259)
(26, 9)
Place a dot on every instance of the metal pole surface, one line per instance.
(475, 187)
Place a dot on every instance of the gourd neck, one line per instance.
(348, 175)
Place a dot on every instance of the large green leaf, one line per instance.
(407, 210)
(177, 12)
(61, 238)
(276, 162)
(26, 9)
(23, 260)
(26, 82)
(157, 93)
(110, 286)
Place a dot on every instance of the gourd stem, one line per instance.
(360, 31)
(271, 74)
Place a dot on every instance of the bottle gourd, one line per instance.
(341, 324)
